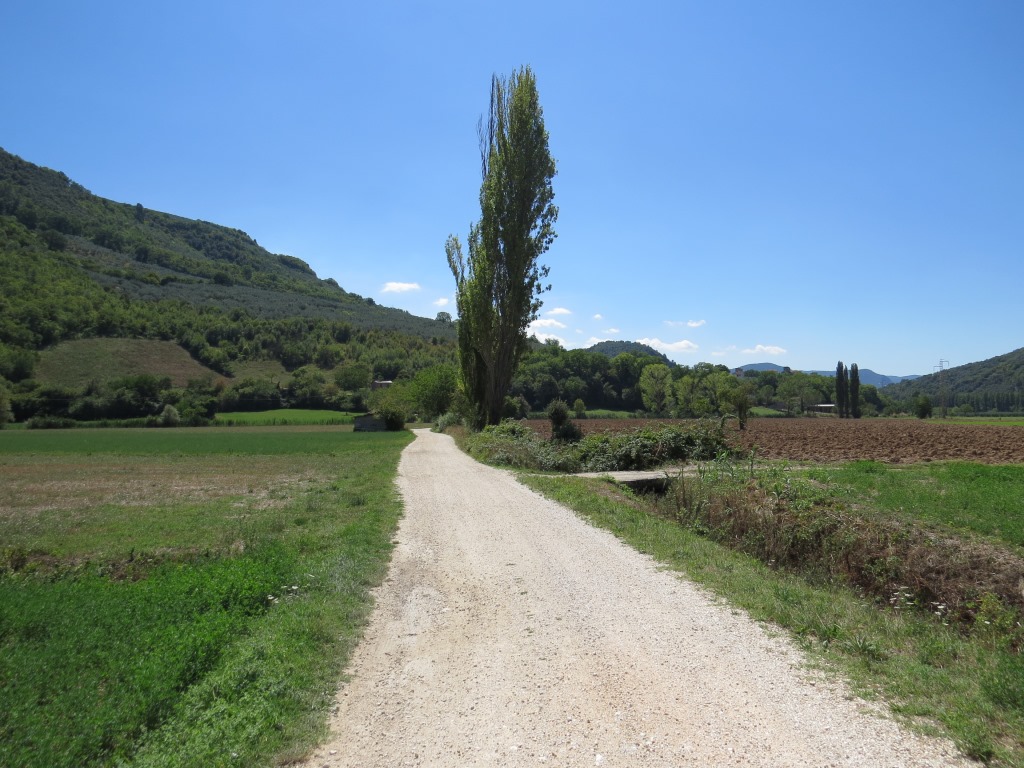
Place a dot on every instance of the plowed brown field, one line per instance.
(903, 441)
(891, 440)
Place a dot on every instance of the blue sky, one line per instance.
(738, 181)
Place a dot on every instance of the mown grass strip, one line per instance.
(973, 687)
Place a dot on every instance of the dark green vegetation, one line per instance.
(74, 266)
(516, 445)
(498, 285)
(183, 597)
(794, 539)
(284, 417)
(613, 349)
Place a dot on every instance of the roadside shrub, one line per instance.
(569, 432)
(557, 413)
(169, 417)
(579, 408)
(50, 422)
(446, 420)
(515, 444)
(393, 416)
(562, 429)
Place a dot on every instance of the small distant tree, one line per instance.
(444, 317)
(923, 407)
(579, 408)
(169, 417)
(6, 415)
(741, 399)
(434, 390)
(854, 391)
(562, 428)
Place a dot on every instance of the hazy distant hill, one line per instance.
(616, 348)
(151, 255)
(867, 376)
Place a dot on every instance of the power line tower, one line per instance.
(940, 368)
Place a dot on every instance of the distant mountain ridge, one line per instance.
(867, 376)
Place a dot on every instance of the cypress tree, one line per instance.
(842, 393)
(854, 391)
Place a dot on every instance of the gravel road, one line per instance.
(510, 633)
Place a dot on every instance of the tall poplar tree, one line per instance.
(854, 391)
(842, 391)
(498, 286)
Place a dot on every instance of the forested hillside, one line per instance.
(77, 266)
(614, 348)
(996, 384)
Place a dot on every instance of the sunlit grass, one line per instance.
(184, 597)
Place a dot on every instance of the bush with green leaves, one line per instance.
(515, 444)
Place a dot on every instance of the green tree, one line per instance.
(854, 391)
(656, 387)
(922, 406)
(498, 286)
(433, 390)
(6, 415)
(842, 391)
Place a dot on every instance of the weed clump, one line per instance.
(793, 522)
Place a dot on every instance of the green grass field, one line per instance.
(975, 498)
(184, 597)
(1005, 421)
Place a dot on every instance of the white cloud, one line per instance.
(670, 346)
(611, 330)
(559, 311)
(547, 322)
(687, 324)
(765, 349)
(400, 287)
(444, 301)
(550, 337)
(598, 317)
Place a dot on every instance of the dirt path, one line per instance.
(510, 633)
